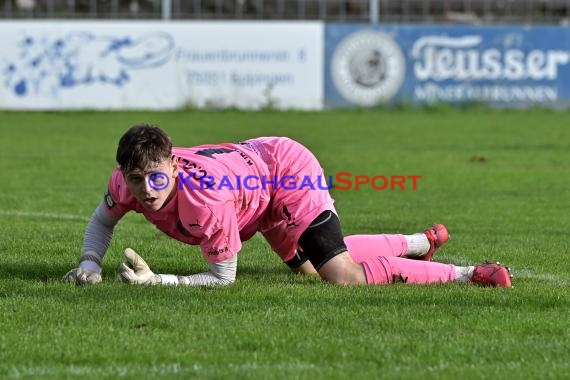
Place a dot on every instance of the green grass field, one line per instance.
(497, 179)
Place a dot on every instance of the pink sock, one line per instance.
(362, 247)
(387, 270)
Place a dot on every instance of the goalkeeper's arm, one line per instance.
(96, 240)
(135, 270)
(222, 273)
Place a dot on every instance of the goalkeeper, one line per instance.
(166, 185)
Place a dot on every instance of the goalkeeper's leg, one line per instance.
(324, 245)
(421, 245)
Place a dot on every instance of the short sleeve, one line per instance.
(117, 198)
(222, 239)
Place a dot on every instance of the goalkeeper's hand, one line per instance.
(136, 271)
(82, 276)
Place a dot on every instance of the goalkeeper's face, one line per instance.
(154, 185)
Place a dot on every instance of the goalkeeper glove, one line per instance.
(88, 272)
(136, 271)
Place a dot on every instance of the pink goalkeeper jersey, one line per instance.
(217, 219)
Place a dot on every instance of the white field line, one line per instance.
(33, 372)
(525, 273)
(195, 369)
(516, 272)
(161, 369)
(43, 215)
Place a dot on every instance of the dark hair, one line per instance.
(142, 145)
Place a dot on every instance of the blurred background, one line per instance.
(285, 54)
(391, 11)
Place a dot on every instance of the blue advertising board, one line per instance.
(370, 65)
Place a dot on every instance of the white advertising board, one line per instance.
(60, 65)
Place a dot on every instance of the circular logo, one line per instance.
(109, 201)
(158, 180)
(368, 68)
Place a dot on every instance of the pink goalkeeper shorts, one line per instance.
(299, 197)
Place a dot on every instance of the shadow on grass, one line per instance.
(33, 271)
(45, 272)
